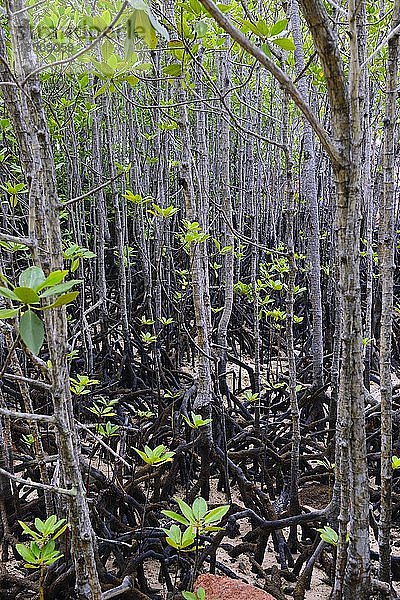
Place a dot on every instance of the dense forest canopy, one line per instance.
(199, 311)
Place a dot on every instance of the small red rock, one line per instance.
(225, 588)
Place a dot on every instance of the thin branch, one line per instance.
(283, 79)
(70, 59)
(4, 237)
(93, 191)
(394, 32)
(126, 586)
(40, 486)
(106, 446)
(13, 414)
(41, 385)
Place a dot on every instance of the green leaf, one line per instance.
(40, 526)
(395, 463)
(189, 596)
(188, 537)
(175, 533)
(60, 288)
(216, 514)
(32, 277)
(199, 508)
(107, 49)
(28, 531)
(185, 509)
(175, 516)
(8, 313)
(26, 554)
(53, 279)
(262, 27)
(64, 299)
(31, 330)
(142, 455)
(285, 43)
(201, 593)
(144, 25)
(35, 549)
(27, 295)
(329, 535)
(48, 549)
(200, 28)
(279, 27)
(249, 26)
(132, 80)
(6, 293)
(174, 70)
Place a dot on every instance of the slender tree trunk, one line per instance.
(311, 196)
(227, 223)
(44, 228)
(386, 256)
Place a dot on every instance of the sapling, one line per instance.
(41, 551)
(154, 458)
(197, 519)
(199, 594)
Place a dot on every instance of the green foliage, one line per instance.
(270, 34)
(395, 463)
(143, 25)
(33, 287)
(159, 456)
(135, 198)
(164, 213)
(145, 321)
(165, 321)
(147, 338)
(191, 233)
(222, 249)
(329, 535)
(31, 330)
(243, 289)
(145, 414)
(200, 594)
(29, 439)
(41, 551)
(13, 192)
(108, 431)
(103, 408)
(197, 516)
(75, 254)
(81, 383)
(250, 397)
(196, 421)
(13, 246)
(178, 539)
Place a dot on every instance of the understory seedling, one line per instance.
(197, 520)
(156, 457)
(41, 551)
(197, 516)
(80, 385)
(395, 463)
(179, 540)
(199, 594)
(330, 536)
(196, 421)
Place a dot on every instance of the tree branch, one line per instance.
(285, 81)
